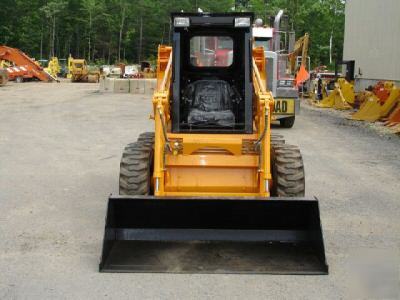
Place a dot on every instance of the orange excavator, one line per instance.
(31, 70)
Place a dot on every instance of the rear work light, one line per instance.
(181, 22)
(242, 22)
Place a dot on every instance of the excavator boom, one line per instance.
(300, 49)
(20, 59)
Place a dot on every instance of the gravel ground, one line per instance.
(60, 146)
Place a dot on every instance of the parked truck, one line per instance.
(283, 54)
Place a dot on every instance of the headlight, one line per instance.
(242, 22)
(181, 22)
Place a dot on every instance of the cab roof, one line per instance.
(213, 19)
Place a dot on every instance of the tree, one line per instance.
(89, 7)
(122, 18)
(115, 30)
(51, 10)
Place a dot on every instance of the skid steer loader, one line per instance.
(212, 190)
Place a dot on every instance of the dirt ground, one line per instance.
(60, 146)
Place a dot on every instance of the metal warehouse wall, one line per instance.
(372, 39)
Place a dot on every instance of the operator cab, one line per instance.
(212, 90)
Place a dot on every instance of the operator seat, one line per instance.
(210, 103)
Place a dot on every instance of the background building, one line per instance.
(372, 39)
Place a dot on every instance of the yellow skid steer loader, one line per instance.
(212, 190)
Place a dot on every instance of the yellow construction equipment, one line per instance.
(69, 66)
(382, 90)
(369, 110)
(81, 72)
(281, 81)
(372, 110)
(4, 64)
(391, 102)
(53, 67)
(394, 117)
(3, 77)
(300, 48)
(3, 72)
(196, 193)
(320, 85)
(396, 129)
(24, 67)
(342, 97)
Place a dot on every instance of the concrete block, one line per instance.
(150, 86)
(121, 85)
(136, 86)
(109, 85)
(102, 83)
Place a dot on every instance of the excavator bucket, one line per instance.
(213, 235)
(372, 110)
(396, 129)
(347, 90)
(390, 102)
(341, 102)
(327, 102)
(340, 97)
(369, 111)
(394, 117)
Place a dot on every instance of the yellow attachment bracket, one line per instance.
(193, 143)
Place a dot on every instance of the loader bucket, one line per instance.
(213, 235)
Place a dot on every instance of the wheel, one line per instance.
(287, 122)
(287, 171)
(277, 139)
(19, 79)
(146, 137)
(136, 169)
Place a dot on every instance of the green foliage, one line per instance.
(103, 30)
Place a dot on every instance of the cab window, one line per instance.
(211, 51)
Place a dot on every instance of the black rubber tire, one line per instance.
(146, 137)
(277, 139)
(19, 79)
(287, 171)
(287, 122)
(136, 169)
